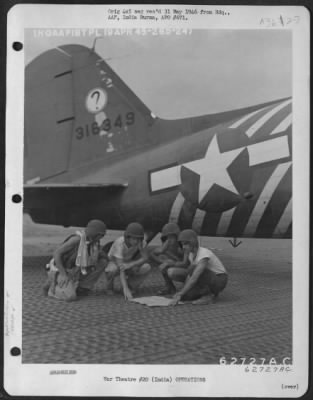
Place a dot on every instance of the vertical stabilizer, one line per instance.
(78, 110)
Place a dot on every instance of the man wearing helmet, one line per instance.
(128, 258)
(206, 276)
(169, 255)
(77, 264)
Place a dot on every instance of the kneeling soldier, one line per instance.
(77, 264)
(206, 276)
(170, 255)
(128, 259)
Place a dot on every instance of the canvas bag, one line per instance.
(66, 292)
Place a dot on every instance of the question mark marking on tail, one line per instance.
(98, 96)
(96, 100)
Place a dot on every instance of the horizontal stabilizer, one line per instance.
(74, 185)
(51, 195)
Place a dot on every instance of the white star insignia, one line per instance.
(213, 168)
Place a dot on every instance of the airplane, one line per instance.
(92, 149)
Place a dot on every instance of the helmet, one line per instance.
(95, 227)
(170, 229)
(134, 229)
(188, 235)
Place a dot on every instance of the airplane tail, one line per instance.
(78, 110)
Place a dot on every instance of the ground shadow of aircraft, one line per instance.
(94, 150)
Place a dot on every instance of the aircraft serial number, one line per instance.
(107, 125)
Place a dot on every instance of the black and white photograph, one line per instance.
(157, 213)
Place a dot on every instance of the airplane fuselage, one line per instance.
(218, 181)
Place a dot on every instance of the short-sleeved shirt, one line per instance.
(215, 265)
(119, 248)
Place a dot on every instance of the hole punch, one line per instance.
(15, 351)
(16, 198)
(17, 46)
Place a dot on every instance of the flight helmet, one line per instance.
(170, 229)
(188, 235)
(134, 229)
(95, 227)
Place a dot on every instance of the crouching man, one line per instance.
(170, 255)
(77, 264)
(128, 259)
(206, 276)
